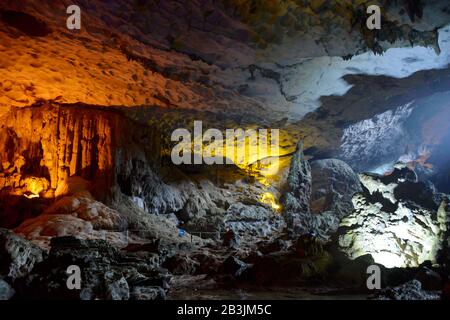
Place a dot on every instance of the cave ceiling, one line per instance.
(97, 151)
(305, 66)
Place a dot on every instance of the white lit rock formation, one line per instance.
(397, 220)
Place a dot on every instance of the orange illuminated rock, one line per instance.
(55, 143)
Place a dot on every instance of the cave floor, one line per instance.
(272, 293)
(203, 287)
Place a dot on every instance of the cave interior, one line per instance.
(224, 149)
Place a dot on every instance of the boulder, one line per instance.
(307, 246)
(231, 240)
(234, 266)
(411, 290)
(289, 269)
(315, 201)
(116, 287)
(276, 245)
(106, 272)
(147, 293)
(78, 215)
(208, 262)
(316, 225)
(298, 195)
(333, 185)
(180, 264)
(17, 255)
(6, 292)
(430, 279)
(194, 207)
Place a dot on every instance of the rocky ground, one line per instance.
(314, 248)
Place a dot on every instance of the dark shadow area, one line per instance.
(15, 209)
(26, 23)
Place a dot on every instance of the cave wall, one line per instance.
(43, 146)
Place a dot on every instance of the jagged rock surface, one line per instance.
(236, 63)
(18, 256)
(333, 185)
(250, 220)
(43, 146)
(298, 192)
(396, 219)
(409, 291)
(6, 292)
(106, 272)
(78, 215)
(318, 195)
(200, 54)
(376, 141)
(54, 143)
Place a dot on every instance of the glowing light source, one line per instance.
(33, 186)
(388, 259)
(269, 199)
(30, 195)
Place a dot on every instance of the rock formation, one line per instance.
(318, 195)
(398, 220)
(333, 184)
(87, 178)
(18, 256)
(409, 291)
(107, 273)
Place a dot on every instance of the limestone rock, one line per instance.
(316, 225)
(429, 279)
(299, 184)
(180, 264)
(333, 185)
(18, 256)
(409, 291)
(181, 60)
(234, 266)
(297, 199)
(398, 229)
(231, 240)
(251, 220)
(6, 292)
(147, 293)
(77, 149)
(106, 272)
(80, 216)
(116, 289)
(80, 149)
(208, 262)
(275, 245)
(376, 141)
(288, 268)
(298, 194)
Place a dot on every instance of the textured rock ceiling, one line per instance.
(275, 59)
